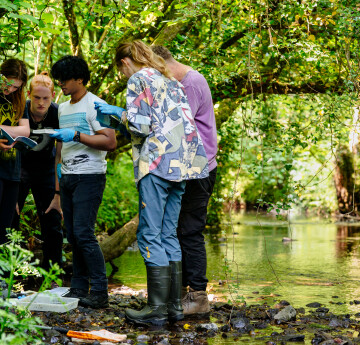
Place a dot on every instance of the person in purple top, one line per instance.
(192, 219)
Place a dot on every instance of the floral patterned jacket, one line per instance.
(165, 140)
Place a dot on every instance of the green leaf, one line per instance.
(8, 5)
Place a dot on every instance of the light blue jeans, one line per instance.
(159, 208)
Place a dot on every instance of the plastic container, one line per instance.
(48, 302)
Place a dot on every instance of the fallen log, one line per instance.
(115, 245)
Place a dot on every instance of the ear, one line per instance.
(53, 94)
(28, 93)
(80, 80)
(125, 61)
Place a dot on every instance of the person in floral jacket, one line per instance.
(167, 151)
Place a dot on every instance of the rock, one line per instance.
(356, 301)
(239, 323)
(260, 325)
(314, 305)
(222, 305)
(322, 310)
(286, 314)
(225, 328)
(293, 337)
(336, 323)
(271, 313)
(143, 337)
(208, 327)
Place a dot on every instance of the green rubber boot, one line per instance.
(158, 286)
(175, 311)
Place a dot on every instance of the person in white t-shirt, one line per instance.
(82, 182)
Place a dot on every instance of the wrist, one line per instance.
(76, 137)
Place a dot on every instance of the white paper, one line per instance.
(44, 131)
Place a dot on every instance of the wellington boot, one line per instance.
(175, 312)
(196, 304)
(158, 285)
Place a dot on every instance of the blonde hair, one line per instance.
(42, 79)
(142, 55)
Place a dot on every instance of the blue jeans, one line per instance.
(81, 197)
(159, 208)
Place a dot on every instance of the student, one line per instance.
(166, 151)
(13, 80)
(192, 219)
(37, 168)
(83, 167)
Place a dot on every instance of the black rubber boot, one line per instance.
(158, 286)
(175, 311)
(95, 300)
(76, 293)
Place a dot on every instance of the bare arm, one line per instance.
(104, 140)
(22, 129)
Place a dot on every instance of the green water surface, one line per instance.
(250, 262)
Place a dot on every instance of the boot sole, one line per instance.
(197, 316)
(155, 322)
(176, 318)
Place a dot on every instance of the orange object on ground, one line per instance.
(102, 334)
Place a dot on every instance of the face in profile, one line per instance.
(70, 86)
(11, 85)
(40, 97)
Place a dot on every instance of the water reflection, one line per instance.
(347, 240)
(321, 264)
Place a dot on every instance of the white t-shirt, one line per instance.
(78, 158)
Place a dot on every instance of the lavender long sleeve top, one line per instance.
(201, 104)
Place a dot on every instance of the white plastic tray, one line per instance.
(48, 302)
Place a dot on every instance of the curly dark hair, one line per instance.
(71, 67)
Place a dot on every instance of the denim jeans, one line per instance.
(192, 221)
(43, 189)
(81, 197)
(159, 207)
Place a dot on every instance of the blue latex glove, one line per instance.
(104, 113)
(108, 109)
(64, 134)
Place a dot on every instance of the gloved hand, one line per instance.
(64, 134)
(108, 109)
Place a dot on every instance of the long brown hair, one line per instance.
(142, 55)
(16, 69)
(42, 79)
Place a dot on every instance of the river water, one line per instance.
(251, 262)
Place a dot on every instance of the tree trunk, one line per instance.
(343, 179)
(115, 245)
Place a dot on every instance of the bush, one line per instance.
(120, 200)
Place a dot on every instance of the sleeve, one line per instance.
(194, 97)
(95, 124)
(139, 100)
